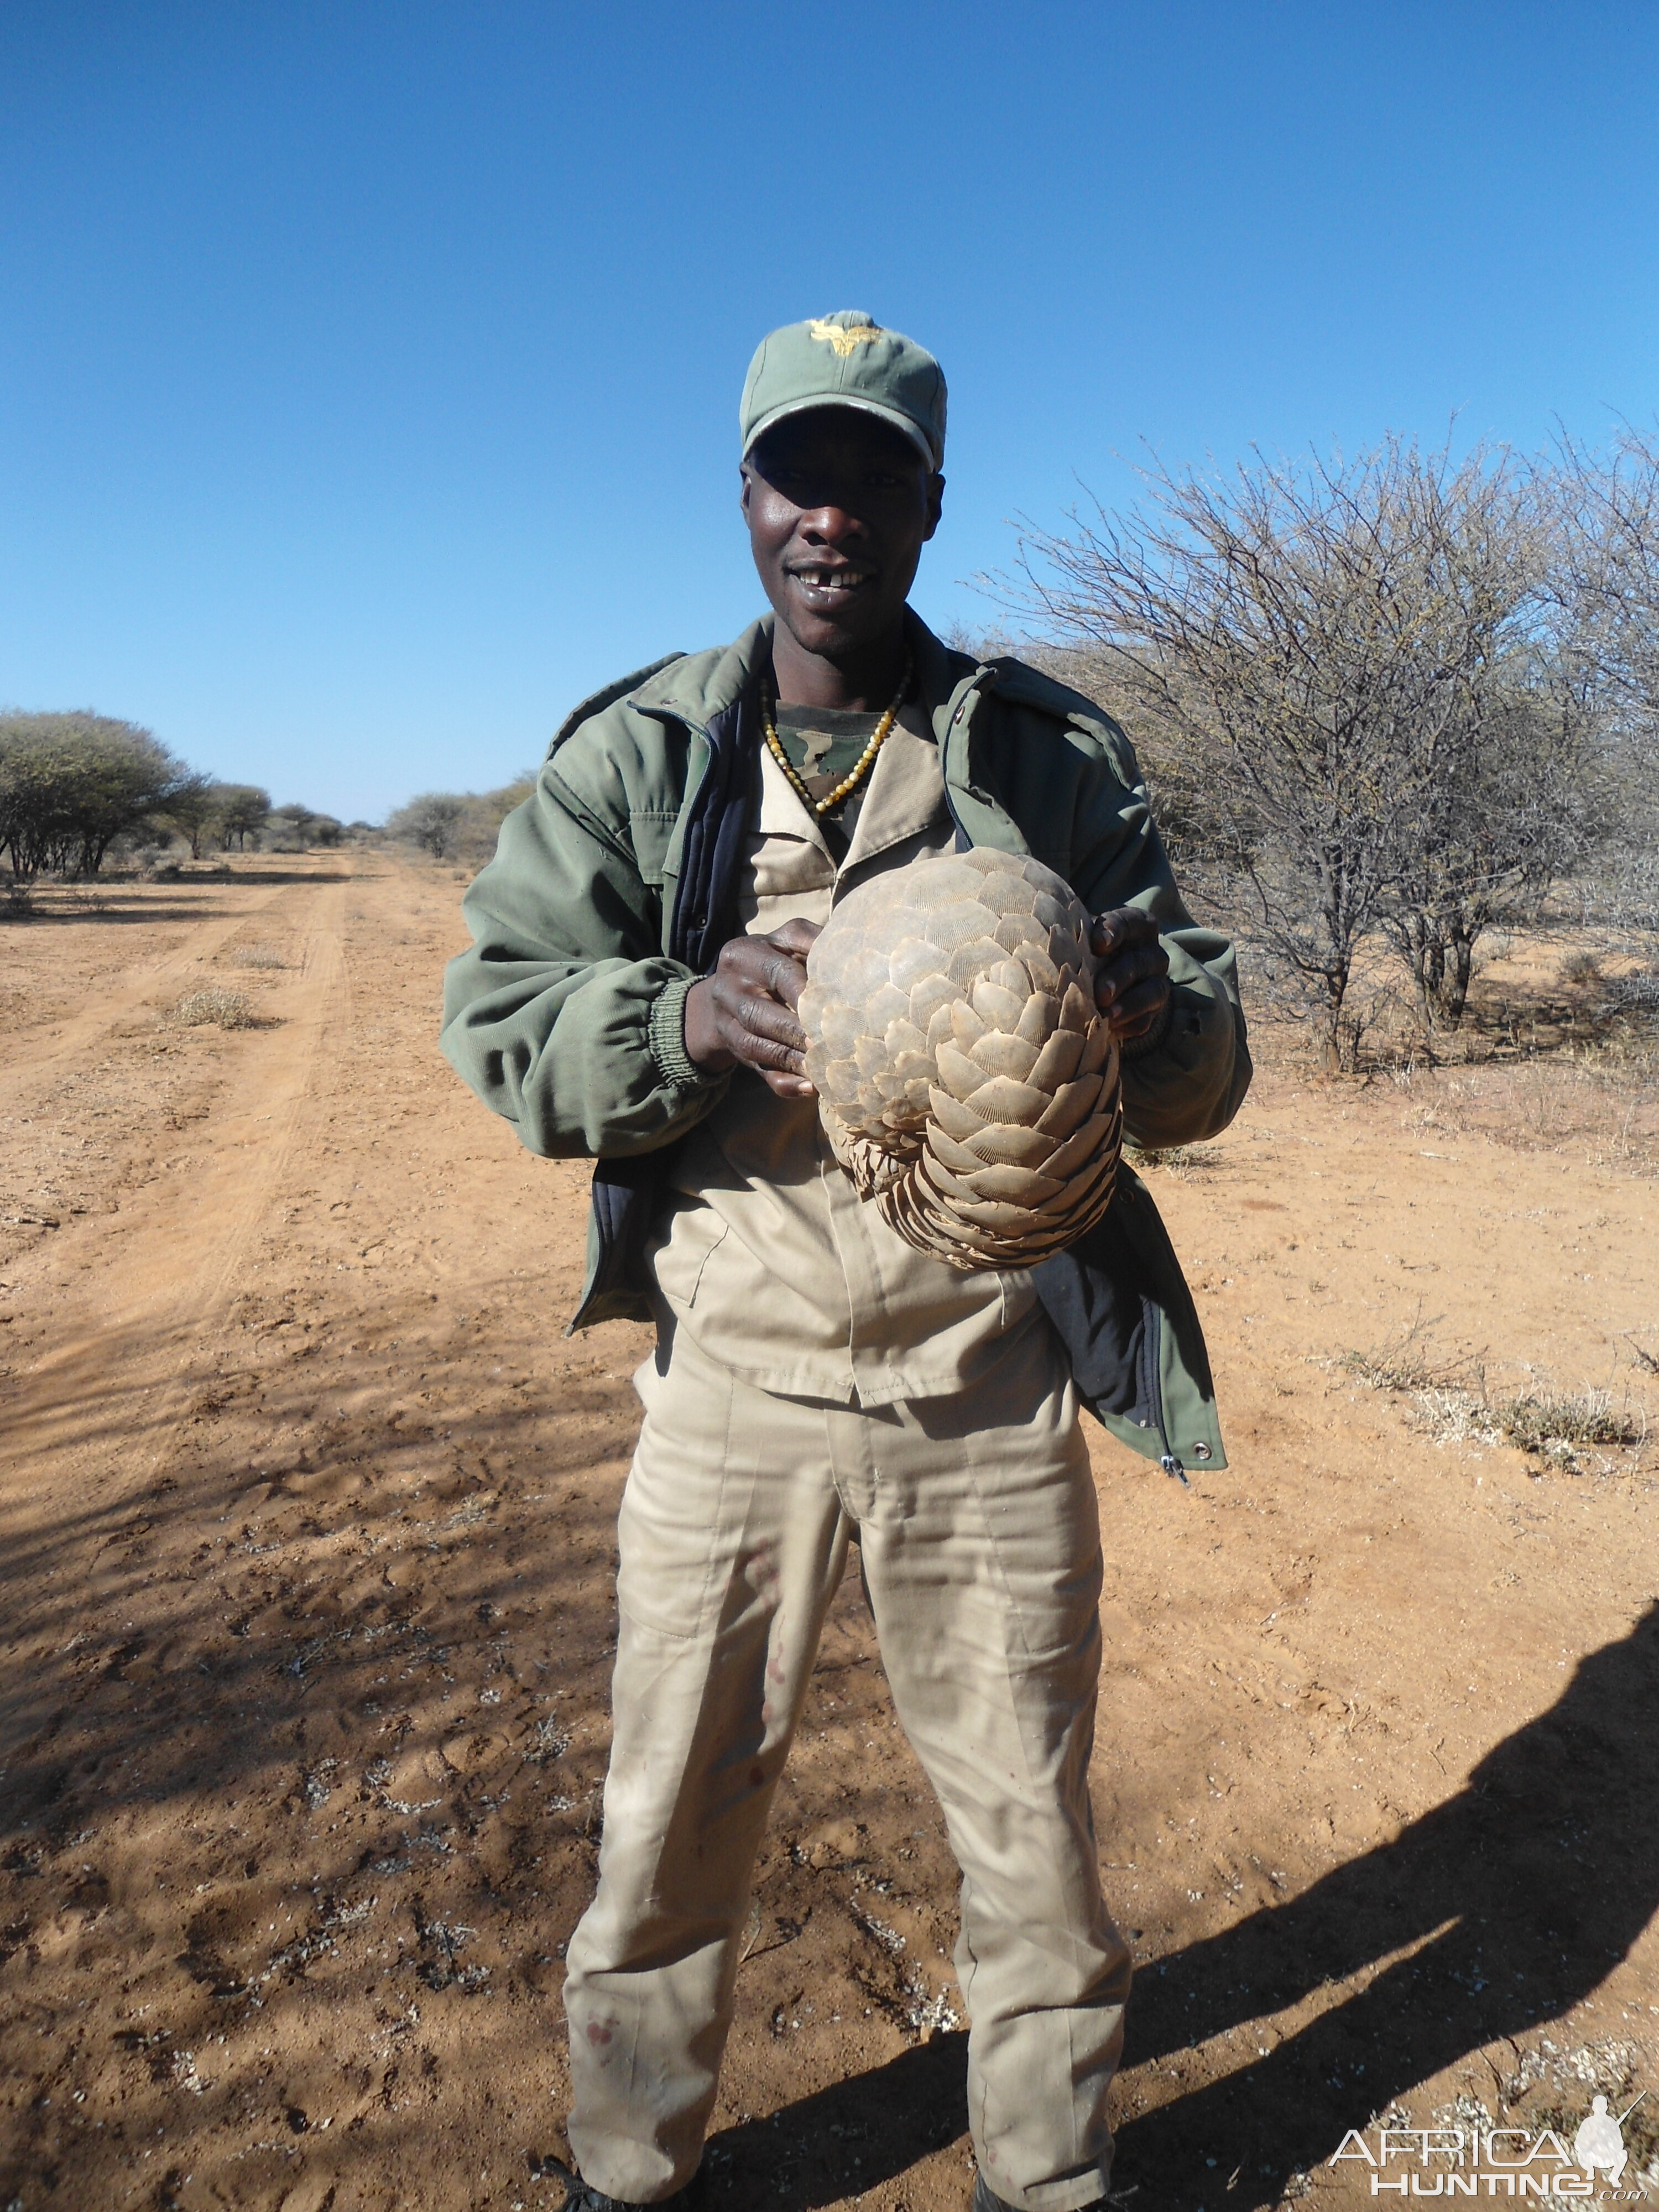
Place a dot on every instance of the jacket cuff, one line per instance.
(666, 1038)
(1143, 1047)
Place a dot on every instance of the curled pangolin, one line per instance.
(966, 1079)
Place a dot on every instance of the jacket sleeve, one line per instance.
(565, 1017)
(1188, 1079)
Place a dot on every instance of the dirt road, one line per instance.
(306, 1614)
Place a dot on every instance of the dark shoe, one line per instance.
(581, 2196)
(986, 2200)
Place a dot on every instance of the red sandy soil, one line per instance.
(306, 1618)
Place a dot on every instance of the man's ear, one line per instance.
(935, 503)
(747, 481)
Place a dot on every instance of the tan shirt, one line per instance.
(767, 1257)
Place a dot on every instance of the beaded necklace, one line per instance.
(850, 782)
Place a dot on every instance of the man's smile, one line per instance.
(822, 586)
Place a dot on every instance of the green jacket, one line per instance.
(603, 905)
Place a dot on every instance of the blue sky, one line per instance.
(368, 374)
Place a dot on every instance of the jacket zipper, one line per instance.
(1151, 1357)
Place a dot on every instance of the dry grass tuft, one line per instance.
(1580, 971)
(1184, 1161)
(1409, 1367)
(1551, 1424)
(1449, 1400)
(260, 956)
(229, 1009)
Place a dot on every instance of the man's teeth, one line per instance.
(833, 580)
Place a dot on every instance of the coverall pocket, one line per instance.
(695, 1236)
(669, 1532)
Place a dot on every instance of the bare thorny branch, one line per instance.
(1372, 696)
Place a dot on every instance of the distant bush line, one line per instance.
(78, 789)
(458, 825)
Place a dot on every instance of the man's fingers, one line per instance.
(1132, 982)
(781, 1069)
(1120, 926)
(770, 1021)
(785, 977)
(764, 1052)
(776, 965)
(797, 936)
(1143, 963)
(745, 1011)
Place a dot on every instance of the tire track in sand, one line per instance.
(75, 1039)
(93, 1418)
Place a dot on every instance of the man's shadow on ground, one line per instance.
(1521, 1895)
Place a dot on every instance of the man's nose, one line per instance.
(830, 523)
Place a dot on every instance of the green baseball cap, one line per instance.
(846, 360)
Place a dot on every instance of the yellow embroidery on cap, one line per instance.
(844, 339)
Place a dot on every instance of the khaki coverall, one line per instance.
(817, 1380)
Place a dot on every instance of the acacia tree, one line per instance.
(70, 784)
(243, 808)
(32, 774)
(1321, 638)
(193, 812)
(294, 821)
(429, 821)
(1485, 830)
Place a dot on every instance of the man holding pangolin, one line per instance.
(640, 948)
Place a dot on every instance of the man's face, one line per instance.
(839, 506)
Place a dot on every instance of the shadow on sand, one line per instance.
(1520, 1894)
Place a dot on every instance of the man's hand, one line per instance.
(1131, 982)
(744, 1012)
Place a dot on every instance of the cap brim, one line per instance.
(913, 431)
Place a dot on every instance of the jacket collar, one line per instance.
(945, 675)
(700, 685)
(696, 689)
